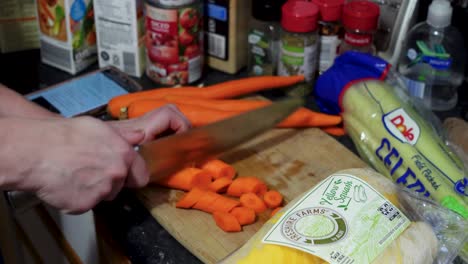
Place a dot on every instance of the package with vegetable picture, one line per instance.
(67, 34)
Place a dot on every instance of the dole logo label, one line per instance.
(402, 126)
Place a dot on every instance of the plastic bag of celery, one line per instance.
(431, 233)
(393, 132)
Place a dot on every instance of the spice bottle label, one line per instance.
(359, 40)
(298, 61)
(328, 50)
(342, 220)
(261, 53)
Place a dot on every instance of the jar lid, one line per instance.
(362, 15)
(299, 16)
(267, 10)
(330, 10)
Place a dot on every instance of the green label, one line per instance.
(342, 220)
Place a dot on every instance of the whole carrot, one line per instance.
(224, 90)
(200, 115)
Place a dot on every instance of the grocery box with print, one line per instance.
(67, 34)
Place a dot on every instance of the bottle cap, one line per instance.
(330, 10)
(299, 16)
(361, 15)
(439, 14)
(267, 10)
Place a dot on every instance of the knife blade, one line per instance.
(167, 155)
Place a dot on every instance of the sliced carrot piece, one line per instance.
(219, 169)
(206, 202)
(251, 200)
(190, 198)
(225, 204)
(226, 222)
(244, 215)
(187, 178)
(243, 185)
(220, 185)
(272, 199)
(275, 210)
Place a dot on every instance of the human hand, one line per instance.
(71, 164)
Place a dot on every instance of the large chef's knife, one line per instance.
(169, 154)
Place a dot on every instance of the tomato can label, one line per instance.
(174, 44)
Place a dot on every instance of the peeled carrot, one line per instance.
(228, 89)
(275, 210)
(225, 204)
(190, 198)
(334, 131)
(219, 169)
(218, 104)
(220, 185)
(211, 201)
(243, 185)
(206, 201)
(272, 199)
(244, 215)
(200, 116)
(251, 200)
(226, 222)
(187, 178)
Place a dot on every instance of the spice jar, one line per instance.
(330, 31)
(360, 23)
(299, 43)
(263, 37)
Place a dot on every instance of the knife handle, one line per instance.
(20, 201)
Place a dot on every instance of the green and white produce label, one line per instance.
(342, 220)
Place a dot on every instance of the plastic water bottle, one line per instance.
(433, 59)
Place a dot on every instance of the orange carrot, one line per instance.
(334, 131)
(243, 185)
(187, 178)
(224, 90)
(220, 185)
(272, 199)
(251, 200)
(219, 168)
(211, 201)
(190, 198)
(244, 215)
(275, 210)
(206, 201)
(218, 104)
(226, 222)
(200, 116)
(225, 204)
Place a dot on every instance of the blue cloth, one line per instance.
(348, 67)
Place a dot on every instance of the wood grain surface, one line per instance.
(290, 161)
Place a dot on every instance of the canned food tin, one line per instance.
(174, 43)
(171, 3)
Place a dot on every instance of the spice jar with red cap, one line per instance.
(360, 22)
(330, 31)
(299, 43)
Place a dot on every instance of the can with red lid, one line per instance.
(360, 20)
(174, 43)
(330, 31)
(299, 43)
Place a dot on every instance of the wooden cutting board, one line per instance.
(290, 161)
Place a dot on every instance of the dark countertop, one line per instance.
(142, 238)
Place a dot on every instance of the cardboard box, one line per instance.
(120, 35)
(18, 25)
(67, 34)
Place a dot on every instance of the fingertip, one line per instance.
(139, 174)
